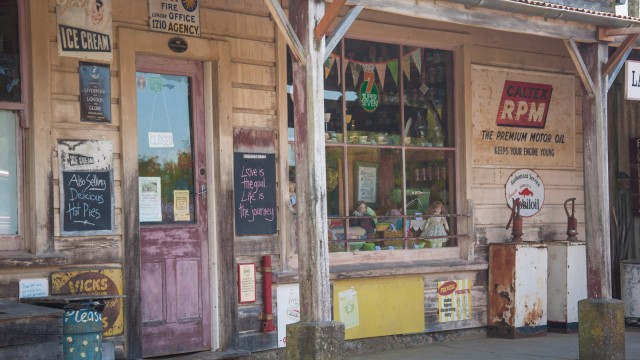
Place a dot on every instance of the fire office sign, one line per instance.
(526, 185)
(180, 17)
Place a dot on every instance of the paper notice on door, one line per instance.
(149, 199)
(181, 205)
(348, 304)
(160, 139)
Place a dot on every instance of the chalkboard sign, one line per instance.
(87, 201)
(255, 193)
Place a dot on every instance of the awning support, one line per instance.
(583, 72)
(341, 29)
(284, 25)
(613, 66)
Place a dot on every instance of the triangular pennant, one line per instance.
(355, 73)
(393, 68)
(328, 65)
(406, 66)
(417, 59)
(382, 71)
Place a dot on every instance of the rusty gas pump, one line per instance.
(572, 222)
(517, 221)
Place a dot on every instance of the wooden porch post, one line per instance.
(596, 179)
(308, 100)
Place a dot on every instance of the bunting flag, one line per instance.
(328, 65)
(382, 72)
(416, 55)
(406, 66)
(393, 68)
(355, 73)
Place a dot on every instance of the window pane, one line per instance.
(9, 51)
(372, 93)
(8, 174)
(164, 142)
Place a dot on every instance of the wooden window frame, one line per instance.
(17, 242)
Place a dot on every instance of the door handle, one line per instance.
(203, 192)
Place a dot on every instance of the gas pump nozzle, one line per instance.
(517, 221)
(572, 222)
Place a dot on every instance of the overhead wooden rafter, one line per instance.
(322, 28)
(287, 30)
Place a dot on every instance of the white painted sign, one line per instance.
(288, 311)
(34, 288)
(84, 29)
(526, 185)
(632, 80)
(175, 16)
(522, 117)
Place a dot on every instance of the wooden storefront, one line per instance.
(235, 78)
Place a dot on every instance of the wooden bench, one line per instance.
(30, 332)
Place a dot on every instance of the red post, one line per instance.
(267, 317)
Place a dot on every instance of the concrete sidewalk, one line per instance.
(552, 346)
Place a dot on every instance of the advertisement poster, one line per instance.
(95, 282)
(288, 311)
(150, 199)
(523, 117)
(181, 205)
(176, 17)
(95, 92)
(526, 186)
(454, 300)
(84, 29)
(348, 306)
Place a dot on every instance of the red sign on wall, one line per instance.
(524, 104)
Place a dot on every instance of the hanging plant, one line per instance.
(332, 179)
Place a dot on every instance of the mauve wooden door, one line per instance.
(173, 210)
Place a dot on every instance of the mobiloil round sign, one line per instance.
(526, 185)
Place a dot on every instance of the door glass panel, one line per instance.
(8, 174)
(165, 161)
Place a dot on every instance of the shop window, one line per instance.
(10, 85)
(390, 147)
(11, 105)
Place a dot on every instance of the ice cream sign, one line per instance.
(526, 185)
(524, 104)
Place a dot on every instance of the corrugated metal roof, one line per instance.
(575, 9)
(555, 11)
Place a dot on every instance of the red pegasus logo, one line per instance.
(526, 192)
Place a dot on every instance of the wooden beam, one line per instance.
(583, 72)
(609, 32)
(311, 190)
(287, 31)
(341, 29)
(444, 11)
(596, 177)
(621, 54)
(330, 14)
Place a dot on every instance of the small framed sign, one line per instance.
(246, 283)
(95, 92)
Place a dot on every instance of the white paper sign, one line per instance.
(34, 288)
(288, 298)
(177, 17)
(160, 139)
(150, 202)
(348, 305)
